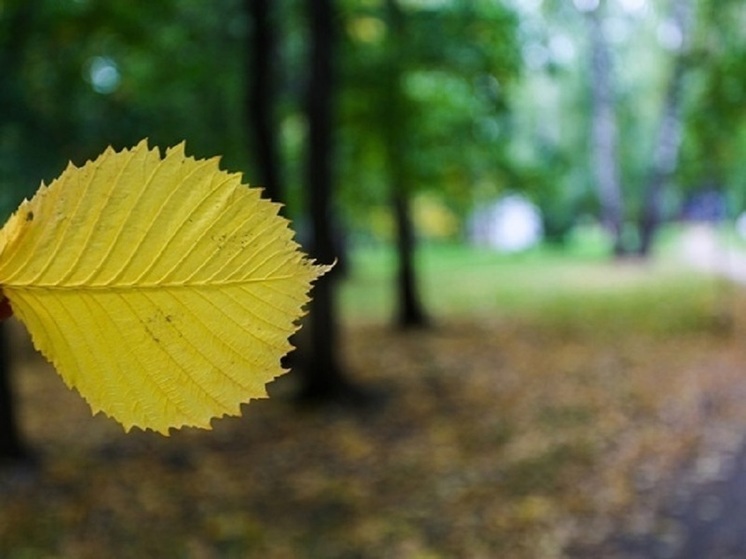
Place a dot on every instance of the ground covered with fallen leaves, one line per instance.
(520, 434)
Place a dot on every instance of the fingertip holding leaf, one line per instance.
(162, 288)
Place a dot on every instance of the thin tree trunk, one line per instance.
(604, 134)
(13, 108)
(410, 311)
(261, 97)
(668, 144)
(11, 447)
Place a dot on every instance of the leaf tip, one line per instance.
(322, 269)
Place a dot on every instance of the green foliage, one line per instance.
(484, 96)
(445, 97)
(78, 76)
(716, 121)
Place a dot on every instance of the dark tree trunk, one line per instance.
(410, 311)
(321, 373)
(604, 133)
(261, 97)
(668, 143)
(14, 108)
(11, 447)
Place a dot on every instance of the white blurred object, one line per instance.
(703, 249)
(511, 224)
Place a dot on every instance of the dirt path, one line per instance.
(704, 515)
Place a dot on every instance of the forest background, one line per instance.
(579, 105)
(614, 117)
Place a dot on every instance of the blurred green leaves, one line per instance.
(81, 74)
(495, 95)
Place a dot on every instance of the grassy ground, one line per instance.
(467, 281)
(552, 404)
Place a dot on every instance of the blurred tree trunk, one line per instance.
(261, 96)
(321, 373)
(410, 311)
(18, 20)
(604, 133)
(669, 135)
(11, 447)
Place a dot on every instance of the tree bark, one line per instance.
(261, 97)
(668, 144)
(604, 134)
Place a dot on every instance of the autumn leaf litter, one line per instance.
(516, 436)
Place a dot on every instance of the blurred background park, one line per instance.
(533, 341)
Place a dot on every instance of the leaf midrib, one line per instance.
(217, 284)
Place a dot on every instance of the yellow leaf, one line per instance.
(162, 289)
